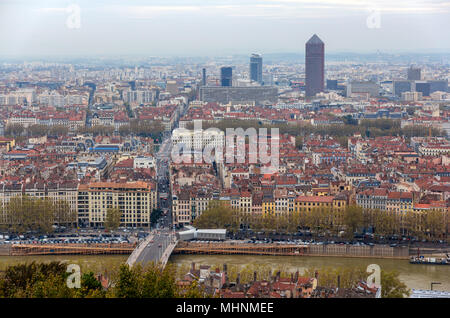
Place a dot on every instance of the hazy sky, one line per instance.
(220, 27)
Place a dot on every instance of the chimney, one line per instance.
(339, 281)
(292, 278)
(296, 276)
(316, 274)
(278, 276)
(193, 266)
(254, 276)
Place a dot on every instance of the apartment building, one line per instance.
(136, 201)
(188, 205)
(56, 192)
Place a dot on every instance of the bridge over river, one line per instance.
(156, 247)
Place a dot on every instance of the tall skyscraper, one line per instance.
(256, 68)
(402, 86)
(204, 77)
(414, 74)
(226, 76)
(314, 66)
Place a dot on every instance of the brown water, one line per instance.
(414, 276)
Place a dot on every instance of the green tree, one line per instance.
(392, 286)
(90, 287)
(217, 216)
(434, 224)
(155, 216)
(25, 213)
(14, 130)
(127, 285)
(353, 219)
(112, 220)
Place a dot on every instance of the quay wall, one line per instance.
(376, 251)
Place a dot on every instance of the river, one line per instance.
(414, 276)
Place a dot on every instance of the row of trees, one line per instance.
(16, 130)
(46, 280)
(328, 222)
(144, 128)
(49, 280)
(24, 213)
(372, 128)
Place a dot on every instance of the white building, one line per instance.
(198, 139)
(144, 162)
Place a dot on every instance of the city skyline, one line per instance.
(220, 28)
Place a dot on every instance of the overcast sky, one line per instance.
(220, 27)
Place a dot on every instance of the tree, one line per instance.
(155, 215)
(14, 130)
(391, 286)
(151, 281)
(124, 130)
(217, 216)
(90, 287)
(25, 213)
(127, 285)
(64, 214)
(37, 130)
(112, 220)
(434, 224)
(34, 280)
(299, 142)
(58, 130)
(353, 219)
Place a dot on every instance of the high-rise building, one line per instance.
(424, 88)
(256, 68)
(204, 77)
(260, 95)
(414, 74)
(370, 88)
(401, 86)
(332, 84)
(314, 66)
(226, 76)
(438, 86)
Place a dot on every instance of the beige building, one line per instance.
(136, 201)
